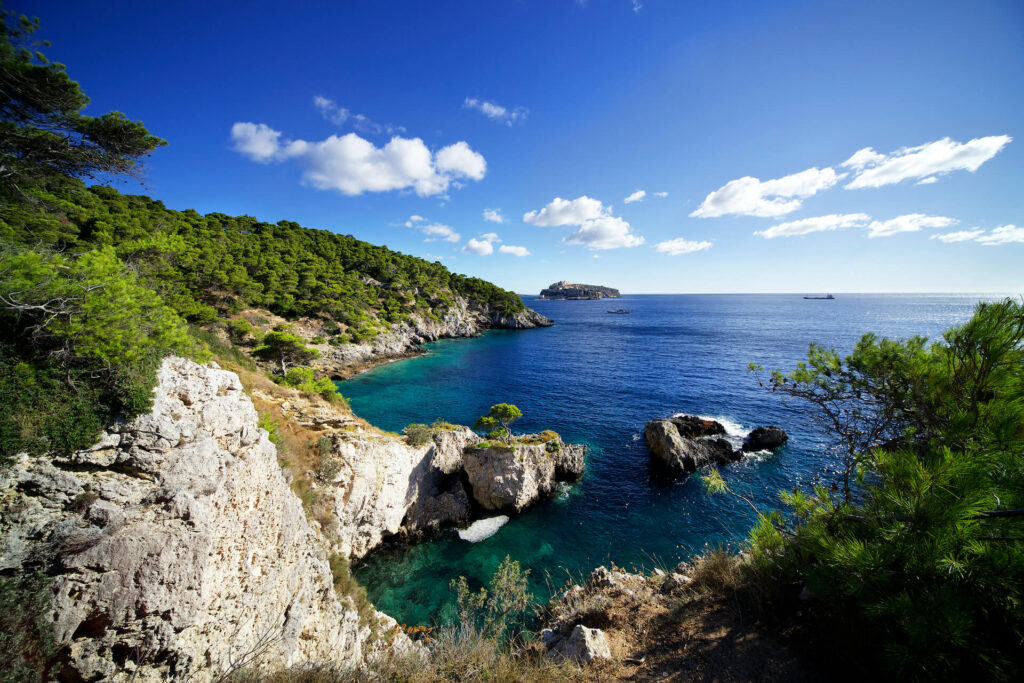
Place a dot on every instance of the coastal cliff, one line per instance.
(569, 291)
(176, 546)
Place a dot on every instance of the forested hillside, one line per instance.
(96, 287)
(206, 265)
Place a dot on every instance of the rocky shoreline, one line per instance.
(405, 340)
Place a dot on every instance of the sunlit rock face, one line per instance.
(176, 547)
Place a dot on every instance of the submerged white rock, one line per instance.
(483, 528)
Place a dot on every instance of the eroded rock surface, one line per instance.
(512, 477)
(175, 546)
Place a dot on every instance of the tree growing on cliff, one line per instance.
(922, 548)
(42, 130)
(285, 348)
(498, 420)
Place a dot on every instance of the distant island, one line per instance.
(571, 292)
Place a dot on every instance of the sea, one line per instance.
(597, 378)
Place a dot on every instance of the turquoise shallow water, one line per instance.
(597, 378)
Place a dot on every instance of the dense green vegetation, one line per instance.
(498, 421)
(96, 286)
(915, 561)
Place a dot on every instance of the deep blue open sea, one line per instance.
(597, 378)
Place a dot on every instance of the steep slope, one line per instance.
(175, 545)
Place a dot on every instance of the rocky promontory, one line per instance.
(569, 291)
(685, 443)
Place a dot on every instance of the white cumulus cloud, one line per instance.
(560, 212)
(480, 247)
(1005, 234)
(635, 197)
(493, 215)
(607, 232)
(806, 226)
(749, 196)
(681, 245)
(258, 141)
(596, 227)
(496, 112)
(514, 250)
(911, 222)
(353, 165)
(922, 162)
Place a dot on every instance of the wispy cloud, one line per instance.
(750, 196)
(806, 226)
(960, 235)
(496, 112)
(925, 162)
(597, 229)
(1004, 234)
(911, 222)
(494, 216)
(661, 195)
(339, 116)
(433, 231)
(637, 196)
(681, 245)
(353, 165)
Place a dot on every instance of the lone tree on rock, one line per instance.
(285, 348)
(497, 421)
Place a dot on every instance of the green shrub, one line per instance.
(273, 428)
(417, 434)
(920, 548)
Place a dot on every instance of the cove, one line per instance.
(597, 378)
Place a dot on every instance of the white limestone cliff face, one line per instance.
(385, 487)
(175, 545)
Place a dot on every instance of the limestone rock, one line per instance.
(674, 582)
(179, 548)
(461, 320)
(582, 645)
(511, 477)
(503, 478)
(765, 438)
(677, 452)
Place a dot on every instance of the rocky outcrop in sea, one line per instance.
(685, 443)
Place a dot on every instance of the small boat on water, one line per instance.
(620, 310)
(827, 296)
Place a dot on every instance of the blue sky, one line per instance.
(893, 130)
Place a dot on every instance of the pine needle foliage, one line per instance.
(923, 543)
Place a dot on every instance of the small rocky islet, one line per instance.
(685, 443)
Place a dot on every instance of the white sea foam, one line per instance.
(483, 528)
(735, 433)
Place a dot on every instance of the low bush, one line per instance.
(417, 434)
